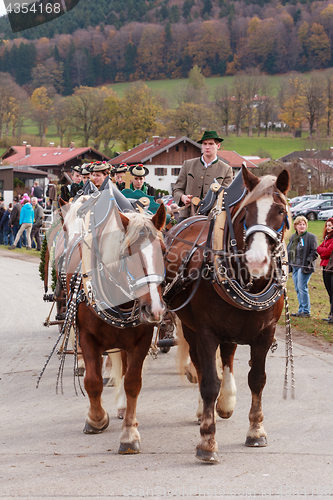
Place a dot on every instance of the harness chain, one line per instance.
(289, 352)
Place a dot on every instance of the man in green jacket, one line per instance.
(197, 175)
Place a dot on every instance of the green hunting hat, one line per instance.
(100, 166)
(139, 170)
(210, 134)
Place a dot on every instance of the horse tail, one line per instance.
(113, 369)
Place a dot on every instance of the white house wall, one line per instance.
(161, 182)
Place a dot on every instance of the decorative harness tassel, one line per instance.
(289, 352)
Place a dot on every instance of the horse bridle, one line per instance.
(147, 279)
(276, 235)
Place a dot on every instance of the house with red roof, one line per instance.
(165, 156)
(50, 159)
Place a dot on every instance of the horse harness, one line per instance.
(219, 253)
(95, 275)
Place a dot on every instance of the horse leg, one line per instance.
(130, 437)
(203, 357)
(256, 435)
(120, 394)
(97, 419)
(226, 401)
(219, 374)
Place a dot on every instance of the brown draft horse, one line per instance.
(143, 241)
(209, 321)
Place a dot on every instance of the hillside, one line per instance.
(131, 40)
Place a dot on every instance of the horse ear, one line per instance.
(283, 181)
(62, 202)
(250, 180)
(160, 217)
(124, 220)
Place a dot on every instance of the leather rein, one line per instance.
(216, 264)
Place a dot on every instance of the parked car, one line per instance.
(311, 211)
(300, 199)
(325, 214)
(301, 205)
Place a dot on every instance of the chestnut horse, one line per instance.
(213, 315)
(131, 250)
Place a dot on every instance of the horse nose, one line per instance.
(153, 313)
(257, 257)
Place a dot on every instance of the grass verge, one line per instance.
(320, 306)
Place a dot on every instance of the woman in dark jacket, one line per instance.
(325, 250)
(8, 236)
(302, 252)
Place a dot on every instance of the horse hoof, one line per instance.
(253, 441)
(165, 350)
(89, 429)
(191, 378)
(121, 413)
(224, 414)
(129, 448)
(211, 457)
(79, 372)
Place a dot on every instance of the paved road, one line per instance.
(44, 454)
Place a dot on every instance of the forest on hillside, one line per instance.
(127, 40)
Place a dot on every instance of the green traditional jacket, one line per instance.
(195, 179)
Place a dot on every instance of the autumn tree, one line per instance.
(140, 109)
(195, 90)
(11, 98)
(48, 75)
(264, 105)
(209, 47)
(328, 96)
(61, 116)
(293, 107)
(223, 106)
(314, 97)
(41, 110)
(250, 86)
(237, 100)
(318, 47)
(111, 120)
(86, 108)
(190, 119)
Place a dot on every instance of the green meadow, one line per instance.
(320, 306)
(273, 146)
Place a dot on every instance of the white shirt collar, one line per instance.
(207, 164)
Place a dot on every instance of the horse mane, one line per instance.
(263, 188)
(115, 241)
(72, 223)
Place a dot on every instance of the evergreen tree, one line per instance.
(130, 58)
